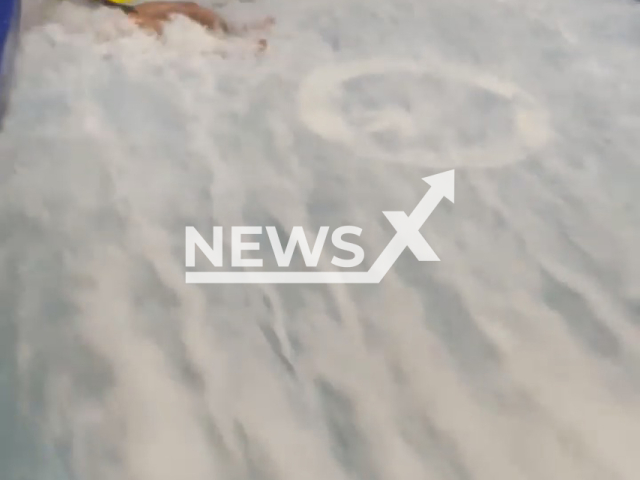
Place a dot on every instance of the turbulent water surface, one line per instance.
(517, 357)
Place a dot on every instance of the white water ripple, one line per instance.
(517, 357)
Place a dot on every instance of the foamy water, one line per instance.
(517, 357)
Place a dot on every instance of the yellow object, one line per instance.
(121, 1)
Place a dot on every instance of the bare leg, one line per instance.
(152, 15)
(147, 23)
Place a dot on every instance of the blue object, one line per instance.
(9, 30)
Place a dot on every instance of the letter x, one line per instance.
(408, 229)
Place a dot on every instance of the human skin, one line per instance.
(152, 16)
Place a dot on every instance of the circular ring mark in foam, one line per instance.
(319, 104)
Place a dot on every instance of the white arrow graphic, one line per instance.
(408, 228)
(407, 236)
